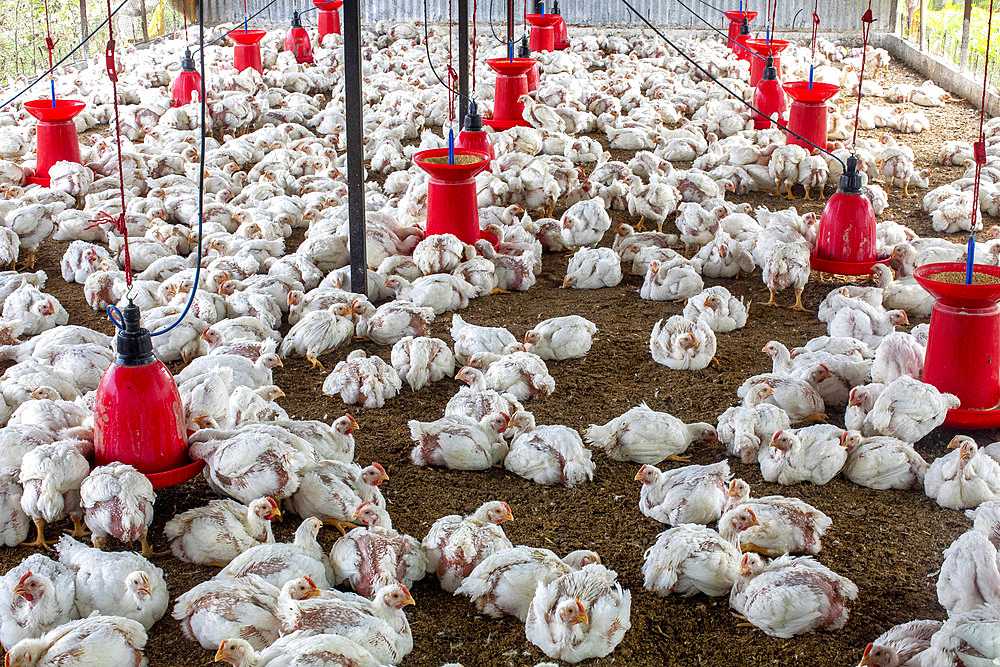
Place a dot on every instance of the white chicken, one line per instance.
(218, 532)
(319, 331)
(691, 494)
(280, 562)
(673, 280)
(520, 374)
(744, 428)
(560, 338)
(584, 223)
(966, 639)
(721, 310)
(51, 476)
(362, 379)
(118, 501)
(422, 360)
(970, 574)
(455, 545)
(36, 596)
(220, 609)
(97, 640)
(900, 645)
(473, 339)
(550, 455)
(690, 559)
(963, 478)
(459, 443)
(593, 268)
(880, 462)
(645, 436)
(815, 454)
(771, 525)
(909, 409)
(680, 344)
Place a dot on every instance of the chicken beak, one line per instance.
(769, 392)
(383, 475)
(354, 424)
(409, 600)
(581, 614)
(279, 393)
(222, 653)
(774, 439)
(965, 453)
(314, 593)
(866, 658)
(955, 443)
(279, 364)
(707, 300)
(35, 394)
(20, 589)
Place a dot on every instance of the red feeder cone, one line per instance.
(56, 135)
(963, 346)
(246, 53)
(845, 240)
(735, 21)
(562, 34)
(297, 41)
(533, 75)
(452, 204)
(139, 418)
(740, 45)
(512, 82)
(187, 83)
(543, 33)
(473, 137)
(769, 98)
(808, 112)
(328, 17)
(765, 49)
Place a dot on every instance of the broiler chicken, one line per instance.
(332, 490)
(455, 545)
(459, 443)
(505, 582)
(473, 339)
(900, 645)
(36, 596)
(580, 615)
(593, 268)
(319, 331)
(880, 462)
(422, 360)
(51, 476)
(645, 436)
(297, 648)
(118, 501)
(744, 428)
(374, 555)
(477, 400)
(280, 562)
(721, 310)
(560, 338)
(690, 559)
(672, 280)
(815, 454)
(550, 455)
(966, 639)
(394, 320)
(97, 640)
(771, 525)
(692, 494)
(791, 596)
(680, 344)
(963, 478)
(118, 583)
(224, 608)
(799, 398)
(909, 409)
(521, 374)
(368, 381)
(970, 574)
(652, 201)
(584, 223)
(216, 533)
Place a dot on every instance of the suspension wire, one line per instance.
(979, 153)
(474, 45)
(728, 38)
(430, 62)
(493, 28)
(726, 88)
(50, 44)
(64, 58)
(866, 25)
(815, 29)
(252, 16)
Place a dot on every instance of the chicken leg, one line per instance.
(678, 457)
(777, 187)
(497, 290)
(342, 526)
(315, 362)
(641, 226)
(808, 198)
(772, 302)
(815, 418)
(29, 261)
(750, 547)
(40, 537)
(790, 195)
(798, 303)
(79, 530)
(906, 189)
(147, 549)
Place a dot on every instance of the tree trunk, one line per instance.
(142, 16)
(923, 25)
(963, 61)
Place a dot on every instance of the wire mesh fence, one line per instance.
(24, 25)
(944, 26)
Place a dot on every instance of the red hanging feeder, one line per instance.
(246, 51)
(769, 98)
(473, 137)
(845, 239)
(55, 134)
(808, 113)
(187, 82)
(740, 42)
(297, 41)
(534, 77)
(543, 31)
(765, 49)
(963, 346)
(562, 34)
(139, 417)
(511, 83)
(736, 20)
(328, 17)
(452, 204)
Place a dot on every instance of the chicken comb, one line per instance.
(868, 649)
(24, 577)
(272, 502)
(376, 464)
(361, 506)
(311, 582)
(753, 515)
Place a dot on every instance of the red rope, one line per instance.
(979, 148)
(866, 25)
(815, 33)
(50, 44)
(184, 13)
(109, 59)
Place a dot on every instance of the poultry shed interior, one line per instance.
(445, 469)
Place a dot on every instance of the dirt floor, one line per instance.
(889, 543)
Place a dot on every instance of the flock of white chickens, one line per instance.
(275, 165)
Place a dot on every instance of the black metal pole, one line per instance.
(463, 61)
(355, 146)
(510, 23)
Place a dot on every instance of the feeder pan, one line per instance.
(769, 97)
(297, 41)
(473, 137)
(187, 82)
(246, 53)
(533, 75)
(452, 201)
(963, 347)
(763, 48)
(808, 113)
(543, 33)
(740, 47)
(328, 17)
(511, 83)
(562, 34)
(845, 240)
(56, 135)
(139, 417)
(735, 21)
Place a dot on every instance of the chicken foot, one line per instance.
(641, 226)
(777, 188)
(808, 198)
(772, 302)
(29, 261)
(40, 536)
(497, 290)
(678, 457)
(342, 526)
(815, 418)
(906, 189)
(147, 549)
(315, 362)
(745, 623)
(79, 530)
(798, 302)
(750, 547)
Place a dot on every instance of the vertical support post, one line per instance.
(355, 146)
(510, 22)
(84, 29)
(142, 16)
(894, 17)
(963, 58)
(923, 25)
(463, 61)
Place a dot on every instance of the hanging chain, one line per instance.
(866, 25)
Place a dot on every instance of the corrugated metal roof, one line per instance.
(835, 15)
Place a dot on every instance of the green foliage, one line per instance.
(944, 35)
